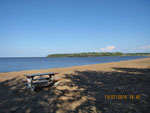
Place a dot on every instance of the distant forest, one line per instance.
(96, 54)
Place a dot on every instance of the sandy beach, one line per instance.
(84, 89)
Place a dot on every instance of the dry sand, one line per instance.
(84, 89)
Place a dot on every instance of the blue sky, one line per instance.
(42, 27)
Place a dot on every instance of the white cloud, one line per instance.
(146, 47)
(108, 49)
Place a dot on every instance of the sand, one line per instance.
(85, 89)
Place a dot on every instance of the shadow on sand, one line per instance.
(85, 93)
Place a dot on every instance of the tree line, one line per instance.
(96, 54)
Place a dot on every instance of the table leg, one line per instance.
(30, 85)
(29, 82)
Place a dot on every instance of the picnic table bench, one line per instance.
(40, 79)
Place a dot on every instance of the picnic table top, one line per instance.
(39, 74)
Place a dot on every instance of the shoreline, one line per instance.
(73, 66)
(63, 70)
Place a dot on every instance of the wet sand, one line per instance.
(83, 89)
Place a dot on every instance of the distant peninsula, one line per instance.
(97, 54)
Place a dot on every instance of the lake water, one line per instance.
(30, 63)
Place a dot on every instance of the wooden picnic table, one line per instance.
(40, 79)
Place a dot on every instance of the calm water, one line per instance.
(20, 64)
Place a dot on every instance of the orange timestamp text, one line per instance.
(121, 97)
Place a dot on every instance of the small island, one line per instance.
(97, 54)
